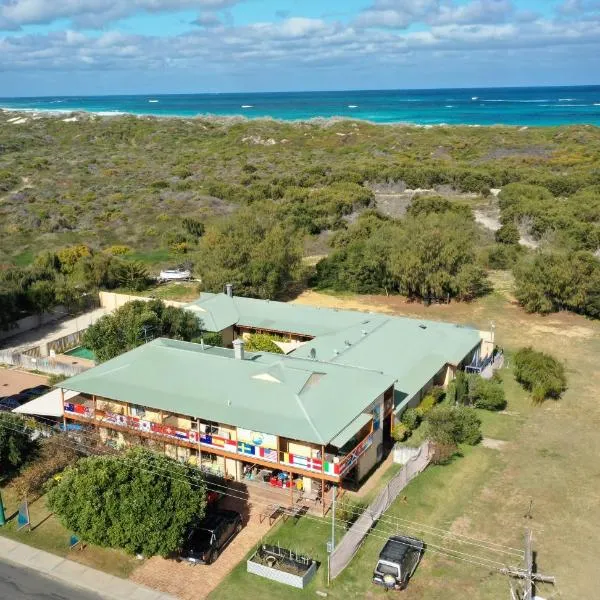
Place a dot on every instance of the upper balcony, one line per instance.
(230, 442)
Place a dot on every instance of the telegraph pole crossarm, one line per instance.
(528, 574)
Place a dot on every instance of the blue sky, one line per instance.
(52, 47)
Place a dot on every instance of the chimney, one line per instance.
(238, 349)
(229, 289)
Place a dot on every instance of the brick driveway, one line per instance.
(194, 582)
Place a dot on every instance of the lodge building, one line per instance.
(321, 412)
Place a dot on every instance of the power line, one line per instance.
(449, 552)
(415, 526)
(241, 495)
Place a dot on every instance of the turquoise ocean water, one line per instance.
(489, 106)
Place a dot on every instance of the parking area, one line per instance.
(12, 381)
(194, 582)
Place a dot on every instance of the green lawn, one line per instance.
(49, 535)
(439, 498)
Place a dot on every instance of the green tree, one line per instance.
(550, 281)
(41, 295)
(139, 501)
(16, 445)
(260, 257)
(137, 322)
(133, 275)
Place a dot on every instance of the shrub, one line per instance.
(54, 457)
(56, 378)
(442, 454)
(486, 394)
(348, 510)
(400, 432)
(194, 227)
(539, 373)
(453, 425)
(508, 234)
(438, 393)
(261, 342)
(411, 418)
(16, 445)
(212, 338)
(118, 250)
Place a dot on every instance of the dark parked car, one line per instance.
(397, 561)
(206, 540)
(14, 401)
(9, 403)
(34, 392)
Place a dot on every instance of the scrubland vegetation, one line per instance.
(246, 201)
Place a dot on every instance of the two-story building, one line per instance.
(319, 414)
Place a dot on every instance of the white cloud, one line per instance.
(400, 14)
(92, 13)
(293, 43)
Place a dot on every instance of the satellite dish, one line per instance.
(313, 353)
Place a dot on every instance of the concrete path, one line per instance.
(74, 574)
(51, 331)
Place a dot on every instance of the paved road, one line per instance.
(17, 583)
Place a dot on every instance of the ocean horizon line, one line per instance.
(515, 106)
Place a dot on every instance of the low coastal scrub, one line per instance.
(214, 194)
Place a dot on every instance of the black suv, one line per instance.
(397, 561)
(205, 540)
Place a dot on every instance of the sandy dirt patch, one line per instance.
(13, 381)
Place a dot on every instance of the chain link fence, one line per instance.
(351, 542)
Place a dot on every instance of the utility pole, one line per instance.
(528, 574)
(333, 518)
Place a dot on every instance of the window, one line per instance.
(137, 411)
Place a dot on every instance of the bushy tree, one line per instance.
(259, 256)
(139, 501)
(16, 445)
(550, 281)
(453, 425)
(133, 275)
(539, 373)
(137, 322)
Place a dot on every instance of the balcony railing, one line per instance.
(336, 466)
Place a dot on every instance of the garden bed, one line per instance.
(282, 565)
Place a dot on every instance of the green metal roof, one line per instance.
(344, 436)
(220, 310)
(410, 350)
(289, 396)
